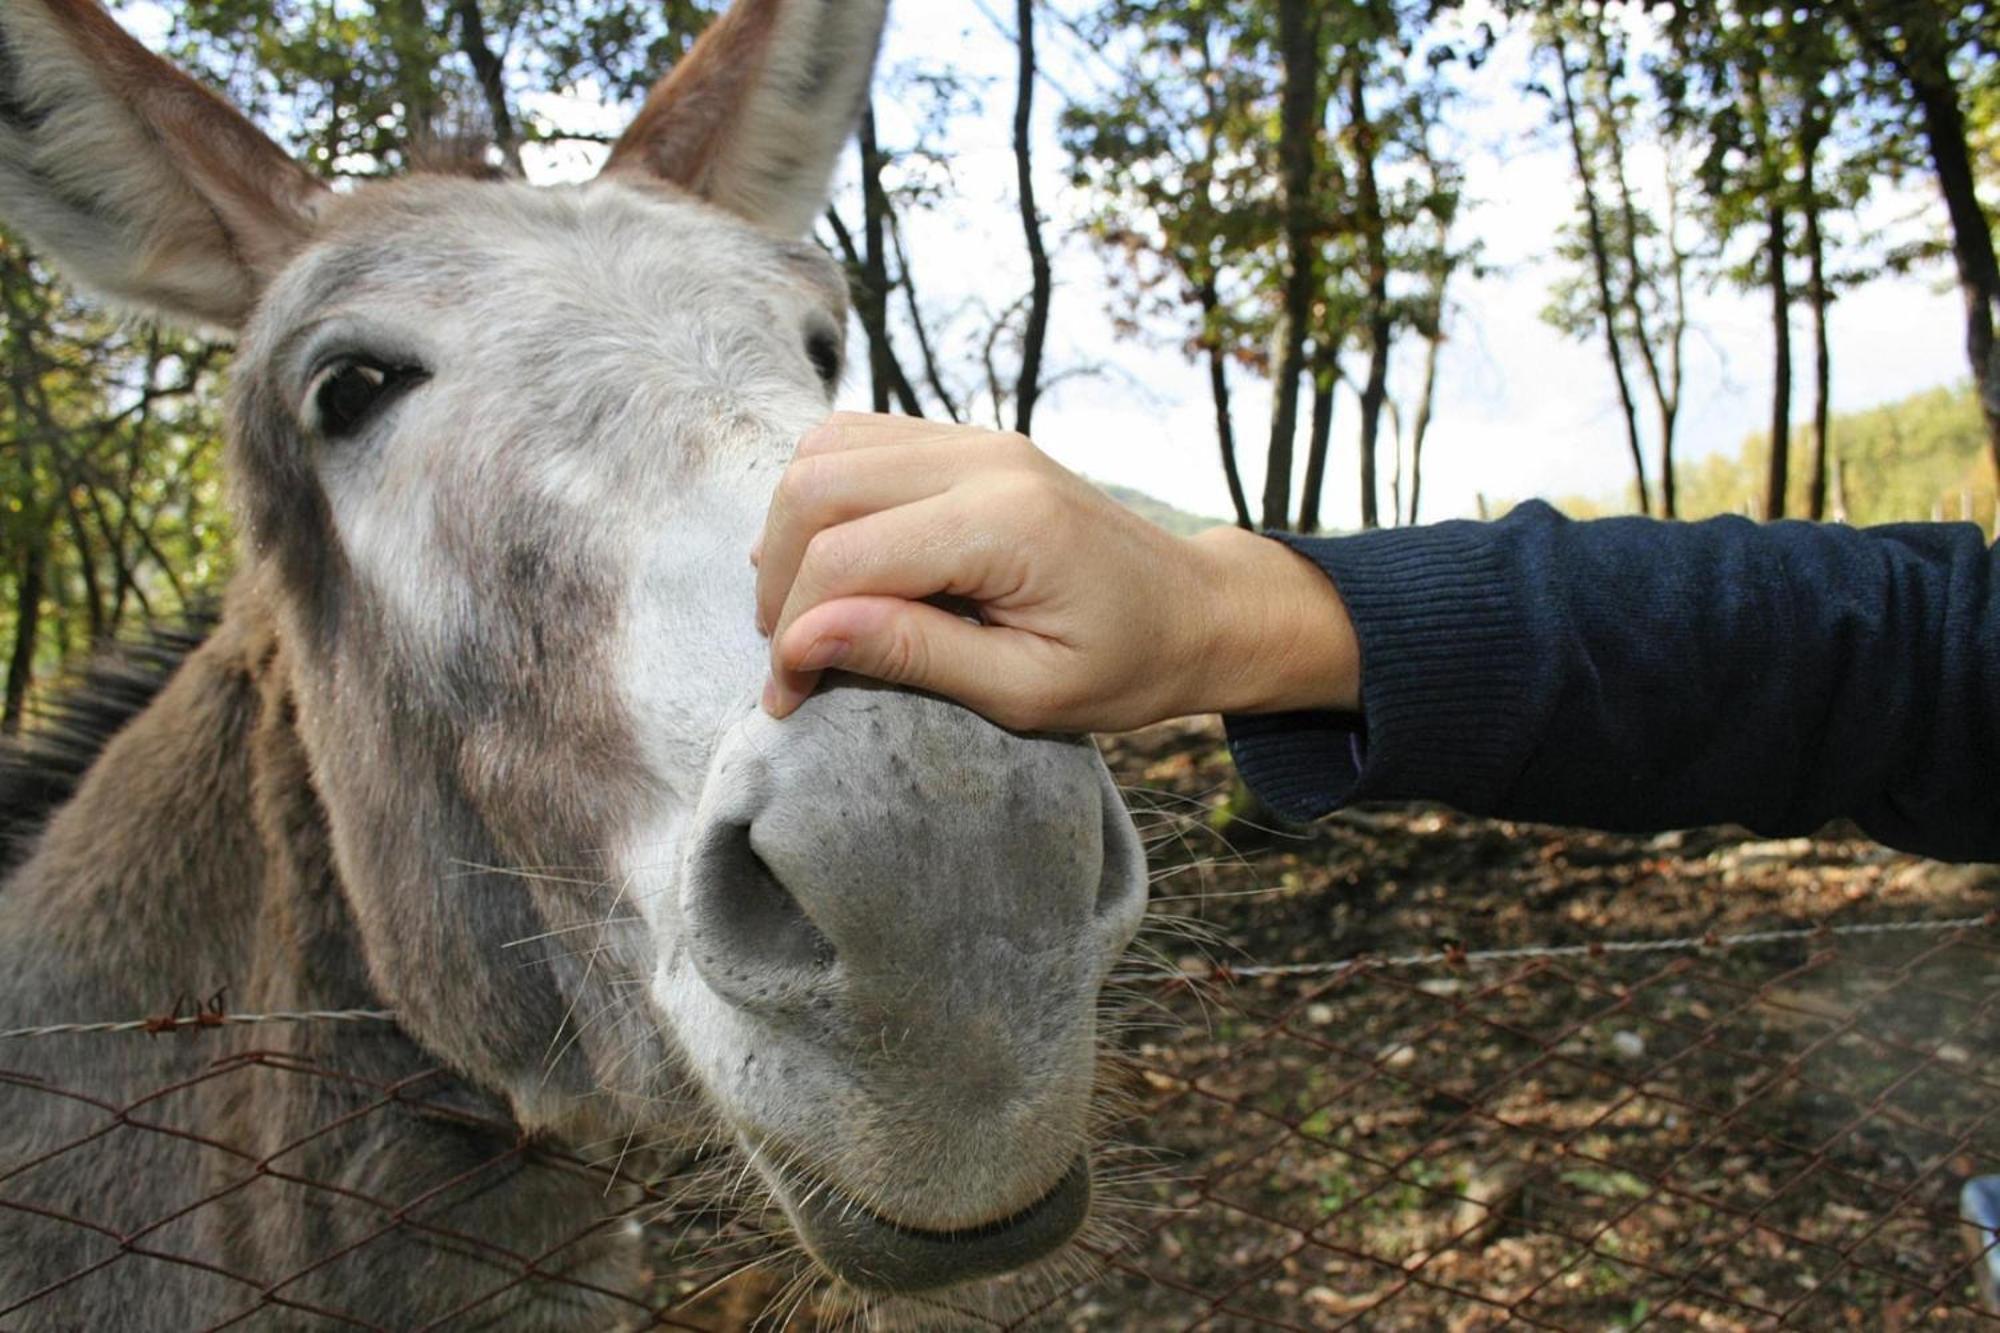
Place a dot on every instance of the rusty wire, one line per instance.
(1764, 1130)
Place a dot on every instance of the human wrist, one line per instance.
(1278, 635)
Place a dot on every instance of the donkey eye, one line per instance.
(823, 349)
(349, 393)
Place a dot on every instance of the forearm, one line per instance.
(1634, 675)
(1278, 636)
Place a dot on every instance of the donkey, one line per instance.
(475, 740)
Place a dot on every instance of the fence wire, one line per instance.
(1764, 1130)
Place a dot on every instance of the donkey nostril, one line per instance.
(752, 941)
(1121, 888)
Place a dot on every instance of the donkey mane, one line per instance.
(41, 768)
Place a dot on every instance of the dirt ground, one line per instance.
(1733, 1136)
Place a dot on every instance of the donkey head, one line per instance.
(500, 454)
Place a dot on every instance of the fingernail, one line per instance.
(825, 653)
(771, 696)
(757, 553)
(762, 628)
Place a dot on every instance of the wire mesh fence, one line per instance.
(1768, 1130)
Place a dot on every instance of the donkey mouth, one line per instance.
(874, 1253)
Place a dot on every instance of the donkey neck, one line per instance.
(192, 859)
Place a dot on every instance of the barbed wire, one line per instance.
(1702, 1128)
(1455, 956)
(205, 1019)
(1446, 955)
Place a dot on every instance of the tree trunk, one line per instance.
(1666, 394)
(27, 629)
(1396, 469)
(1676, 336)
(1924, 65)
(1381, 328)
(1320, 440)
(491, 77)
(417, 81)
(1029, 387)
(1373, 395)
(1426, 395)
(1971, 248)
(873, 298)
(1218, 388)
(1817, 298)
(1299, 116)
(907, 281)
(1600, 254)
(1781, 387)
(874, 316)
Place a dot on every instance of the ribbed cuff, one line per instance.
(1302, 765)
(1445, 678)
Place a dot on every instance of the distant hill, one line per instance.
(1159, 511)
(1920, 458)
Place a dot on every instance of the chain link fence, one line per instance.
(1768, 1130)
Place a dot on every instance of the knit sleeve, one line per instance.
(1633, 675)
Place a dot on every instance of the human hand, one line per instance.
(1091, 618)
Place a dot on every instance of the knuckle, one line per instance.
(825, 437)
(904, 655)
(1030, 497)
(1017, 448)
(801, 488)
(829, 558)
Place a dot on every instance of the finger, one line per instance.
(823, 492)
(914, 645)
(927, 548)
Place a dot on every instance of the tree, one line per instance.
(1653, 285)
(1609, 295)
(1298, 151)
(1035, 336)
(1916, 43)
(1390, 198)
(1180, 185)
(868, 276)
(1814, 125)
(108, 445)
(1437, 264)
(1381, 322)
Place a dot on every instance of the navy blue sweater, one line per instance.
(1633, 675)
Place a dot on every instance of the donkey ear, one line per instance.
(141, 183)
(755, 116)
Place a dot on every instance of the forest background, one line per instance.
(1311, 264)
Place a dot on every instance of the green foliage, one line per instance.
(1179, 165)
(111, 504)
(1915, 460)
(109, 433)
(110, 489)
(362, 90)
(1909, 461)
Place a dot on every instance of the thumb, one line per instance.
(912, 644)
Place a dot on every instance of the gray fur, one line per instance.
(476, 741)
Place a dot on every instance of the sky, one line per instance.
(1521, 410)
